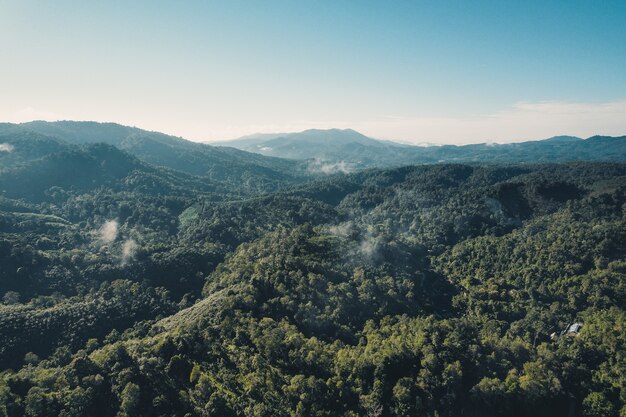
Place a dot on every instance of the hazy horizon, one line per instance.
(224, 142)
(411, 72)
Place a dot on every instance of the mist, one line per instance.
(108, 232)
(321, 167)
(129, 248)
(6, 147)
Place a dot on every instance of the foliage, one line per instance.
(430, 290)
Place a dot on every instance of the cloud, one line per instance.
(129, 248)
(108, 232)
(6, 147)
(321, 167)
(344, 229)
(369, 247)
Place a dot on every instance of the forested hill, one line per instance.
(272, 161)
(346, 150)
(138, 290)
(243, 170)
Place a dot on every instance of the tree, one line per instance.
(11, 297)
(597, 405)
(129, 400)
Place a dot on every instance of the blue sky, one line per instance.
(447, 72)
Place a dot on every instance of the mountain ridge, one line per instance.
(216, 163)
(276, 160)
(350, 146)
(189, 295)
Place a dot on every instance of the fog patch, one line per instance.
(497, 211)
(108, 232)
(344, 229)
(116, 242)
(129, 248)
(365, 243)
(318, 166)
(369, 248)
(494, 206)
(6, 147)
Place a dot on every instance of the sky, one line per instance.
(411, 71)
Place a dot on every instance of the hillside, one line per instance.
(314, 143)
(272, 161)
(243, 169)
(424, 290)
(354, 150)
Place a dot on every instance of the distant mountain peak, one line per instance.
(239, 157)
(351, 146)
(321, 144)
(562, 138)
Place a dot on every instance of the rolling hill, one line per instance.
(131, 287)
(355, 150)
(421, 290)
(243, 169)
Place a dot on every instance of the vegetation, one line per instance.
(439, 290)
(243, 171)
(337, 150)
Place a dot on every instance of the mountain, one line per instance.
(267, 162)
(358, 151)
(332, 145)
(563, 138)
(23, 146)
(81, 169)
(439, 289)
(224, 164)
(311, 143)
(86, 168)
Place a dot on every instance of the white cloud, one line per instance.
(6, 147)
(129, 247)
(108, 231)
(369, 247)
(321, 167)
(342, 229)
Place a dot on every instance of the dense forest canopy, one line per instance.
(249, 286)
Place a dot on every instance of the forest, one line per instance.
(130, 287)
